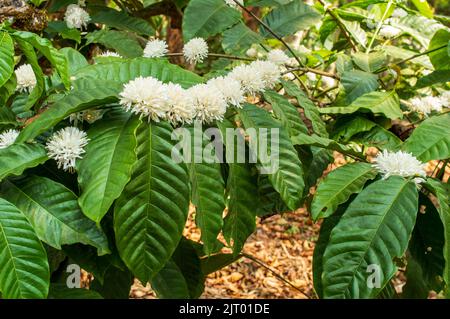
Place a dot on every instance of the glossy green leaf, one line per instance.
(369, 62)
(357, 83)
(338, 186)
(6, 57)
(124, 43)
(122, 21)
(150, 215)
(53, 211)
(23, 261)
(239, 38)
(374, 230)
(18, 157)
(203, 18)
(440, 58)
(106, 166)
(431, 139)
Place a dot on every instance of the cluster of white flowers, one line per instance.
(278, 57)
(76, 17)
(8, 137)
(233, 4)
(445, 98)
(149, 97)
(427, 104)
(108, 53)
(26, 80)
(66, 146)
(399, 164)
(155, 48)
(196, 50)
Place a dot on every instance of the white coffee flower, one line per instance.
(196, 50)
(208, 102)
(230, 89)
(445, 99)
(155, 48)
(250, 78)
(76, 17)
(66, 146)
(278, 57)
(388, 31)
(328, 82)
(180, 104)
(146, 97)
(233, 4)
(426, 104)
(26, 80)
(252, 53)
(108, 53)
(8, 137)
(270, 72)
(399, 13)
(399, 163)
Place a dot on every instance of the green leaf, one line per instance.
(438, 76)
(284, 169)
(75, 59)
(208, 189)
(182, 276)
(204, 18)
(357, 83)
(286, 112)
(150, 215)
(402, 54)
(431, 139)
(7, 117)
(239, 38)
(369, 62)
(116, 284)
(356, 32)
(122, 42)
(346, 127)
(106, 166)
(122, 21)
(56, 58)
(374, 230)
(65, 32)
(440, 58)
(126, 70)
(378, 137)
(216, 262)
(338, 186)
(240, 221)
(442, 192)
(53, 211)
(290, 18)
(32, 59)
(423, 7)
(310, 110)
(18, 157)
(6, 57)
(101, 92)
(23, 261)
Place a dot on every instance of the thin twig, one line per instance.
(259, 262)
(380, 23)
(270, 31)
(340, 24)
(311, 70)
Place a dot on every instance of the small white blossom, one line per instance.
(445, 99)
(155, 48)
(399, 13)
(110, 54)
(146, 97)
(270, 72)
(66, 146)
(426, 104)
(278, 57)
(208, 102)
(399, 163)
(252, 53)
(233, 4)
(8, 137)
(230, 89)
(196, 50)
(76, 17)
(328, 82)
(250, 78)
(181, 109)
(389, 31)
(26, 80)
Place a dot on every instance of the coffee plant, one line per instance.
(115, 118)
